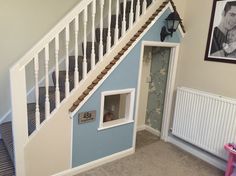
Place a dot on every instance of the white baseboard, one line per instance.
(198, 153)
(149, 129)
(141, 128)
(96, 163)
(153, 131)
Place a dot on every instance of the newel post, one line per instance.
(19, 117)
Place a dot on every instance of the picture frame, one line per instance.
(221, 43)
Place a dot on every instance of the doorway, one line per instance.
(156, 88)
(160, 57)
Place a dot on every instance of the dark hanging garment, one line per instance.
(218, 39)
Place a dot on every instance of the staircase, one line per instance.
(77, 67)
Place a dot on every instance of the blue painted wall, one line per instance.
(89, 144)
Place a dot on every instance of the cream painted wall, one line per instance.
(48, 152)
(193, 71)
(144, 86)
(23, 23)
(181, 7)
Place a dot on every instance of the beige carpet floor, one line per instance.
(154, 157)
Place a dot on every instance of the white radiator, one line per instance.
(205, 120)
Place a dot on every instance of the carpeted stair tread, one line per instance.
(121, 20)
(62, 73)
(105, 33)
(62, 79)
(89, 49)
(113, 21)
(31, 117)
(6, 165)
(7, 137)
(128, 6)
(80, 64)
(52, 97)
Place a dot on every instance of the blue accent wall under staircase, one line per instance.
(89, 143)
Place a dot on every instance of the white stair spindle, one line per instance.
(47, 102)
(57, 71)
(85, 44)
(101, 30)
(67, 83)
(109, 27)
(76, 71)
(144, 6)
(37, 110)
(93, 35)
(124, 18)
(131, 14)
(117, 22)
(137, 10)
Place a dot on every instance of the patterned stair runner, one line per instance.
(6, 165)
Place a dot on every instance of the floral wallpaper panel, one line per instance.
(157, 87)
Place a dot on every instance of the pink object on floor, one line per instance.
(234, 174)
(231, 160)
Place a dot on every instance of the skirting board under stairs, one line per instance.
(149, 129)
(96, 163)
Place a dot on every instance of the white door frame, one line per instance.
(169, 87)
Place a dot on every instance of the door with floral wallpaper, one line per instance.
(157, 86)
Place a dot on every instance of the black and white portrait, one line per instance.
(221, 45)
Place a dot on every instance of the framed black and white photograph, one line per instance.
(221, 44)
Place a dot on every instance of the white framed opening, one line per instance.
(170, 87)
(117, 108)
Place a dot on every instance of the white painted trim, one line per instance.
(198, 153)
(71, 143)
(96, 163)
(160, 44)
(125, 120)
(119, 122)
(169, 88)
(138, 94)
(7, 117)
(149, 129)
(153, 131)
(31, 92)
(141, 128)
